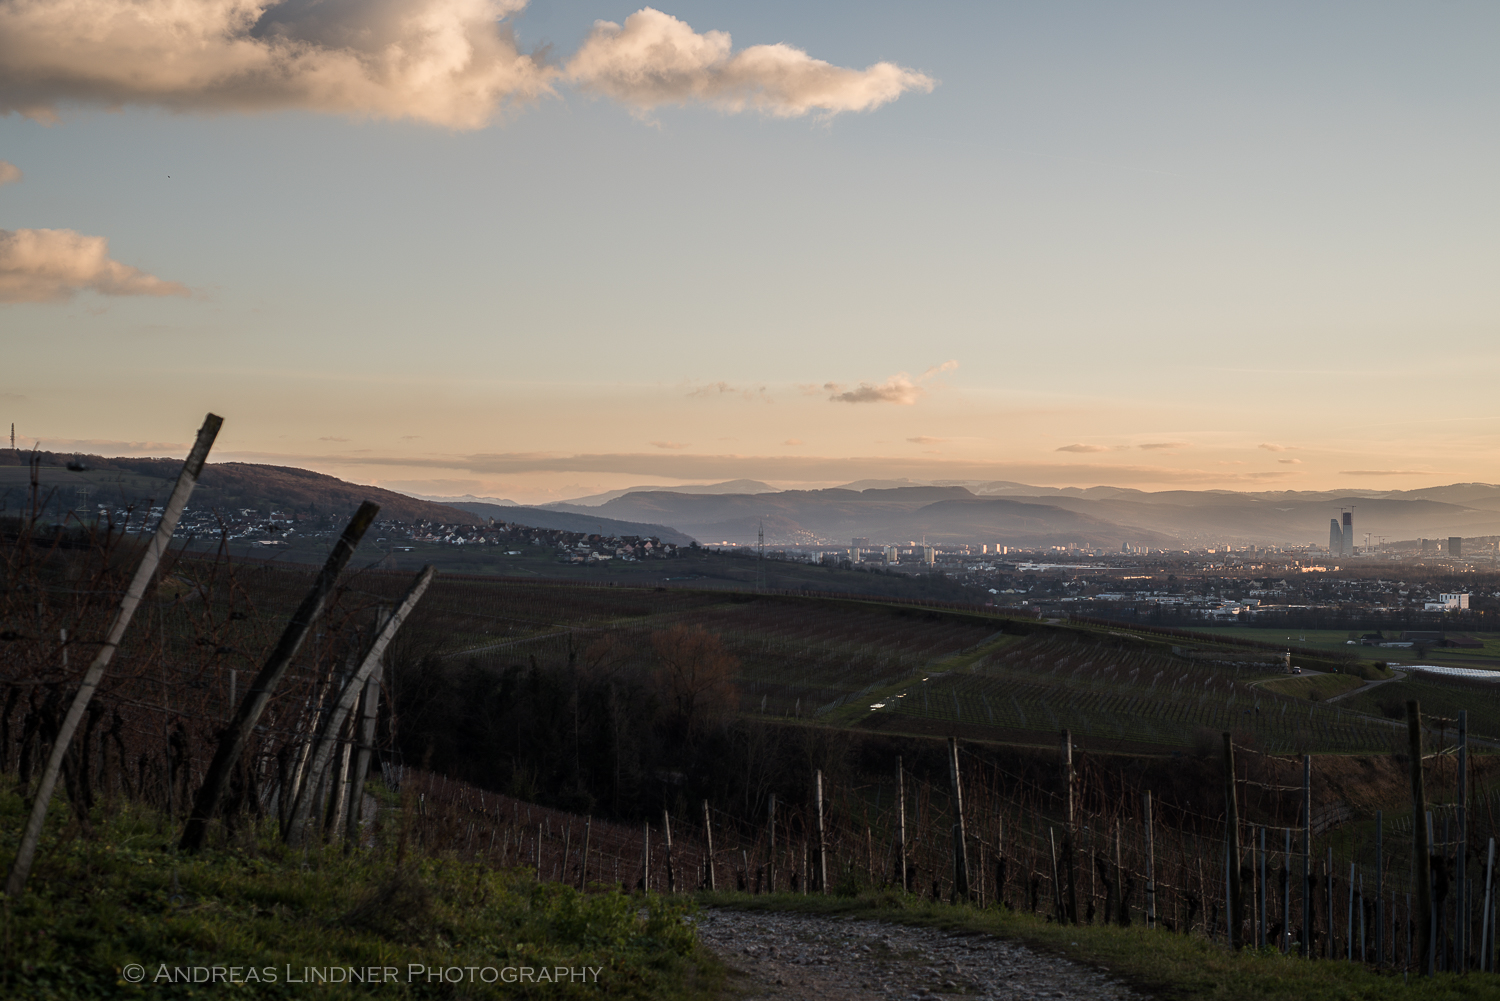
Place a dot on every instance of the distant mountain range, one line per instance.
(568, 521)
(1022, 515)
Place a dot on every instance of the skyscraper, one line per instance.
(1455, 546)
(1348, 547)
(1335, 537)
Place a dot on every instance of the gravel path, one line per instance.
(784, 955)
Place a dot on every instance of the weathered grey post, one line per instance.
(771, 851)
(1286, 895)
(646, 856)
(960, 845)
(1150, 865)
(232, 743)
(901, 820)
(339, 711)
(708, 835)
(1265, 900)
(1461, 912)
(20, 868)
(369, 714)
(1057, 889)
(1486, 928)
(1236, 902)
(1421, 862)
(666, 827)
(822, 839)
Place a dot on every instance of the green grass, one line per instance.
(96, 904)
(1169, 967)
(1317, 686)
(1336, 640)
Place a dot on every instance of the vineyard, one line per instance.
(780, 743)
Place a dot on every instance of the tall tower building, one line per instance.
(1335, 537)
(1348, 547)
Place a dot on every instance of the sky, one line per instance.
(538, 251)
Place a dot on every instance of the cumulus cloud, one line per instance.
(1081, 448)
(9, 173)
(52, 265)
(449, 62)
(899, 388)
(453, 63)
(656, 59)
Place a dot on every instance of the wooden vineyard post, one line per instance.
(1286, 895)
(1305, 945)
(1461, 913)
(1122, 908)
(771, 840)
(327, 741)
(1265, 900)
(583, 870)
(1421, 850)
(960, 844)
(822, 838)
(20, 868)
(1379, 887)
(708, 836)
(369, 713)
(538, 853)
(646, 857)
(1057, 888)
(901, 822)
(1486, 927)
(1069, 832)
(1235, 903)
(237, 734)
(1150, 865)
(666, 827)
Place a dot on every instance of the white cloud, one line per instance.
(899, 388)
(9, 173)
(449, 62)
(51, 265)
(656, 59)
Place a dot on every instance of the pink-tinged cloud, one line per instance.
(1081, 448)
(1290, 462)
(656, 59)
(9, 173)
(670, 444)
(53, 265)
(899, 388)
(923, 439)
(793, 441)
(1269, 447)
(1158, 446)
(1385, 472)
(448, 62)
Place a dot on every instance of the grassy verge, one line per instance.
(95, 905)
(1167, 966)
(1315, 686)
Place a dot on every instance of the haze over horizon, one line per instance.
(542, 251)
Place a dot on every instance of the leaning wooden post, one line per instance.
(237, 734)
(1486, 927)
(20, 868)
(369, 714)
(1461, 920)
(822, 839)
(771, 851)
(901, 821)
(1379, 887)
(583, 874)
(328, 739)
(1421, 862)
(960, 843)
(1236, 901)
(708, 835)
(666, 826)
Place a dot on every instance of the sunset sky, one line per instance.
(460, 246)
